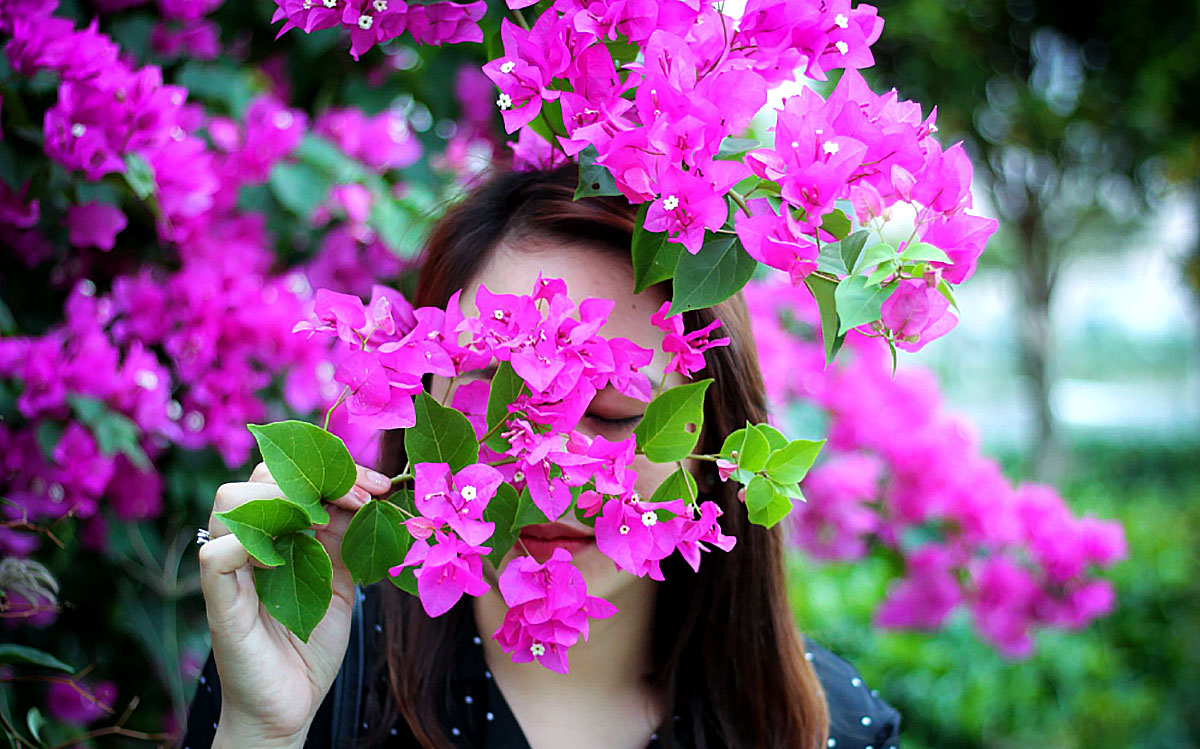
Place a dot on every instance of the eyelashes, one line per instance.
(607, 424)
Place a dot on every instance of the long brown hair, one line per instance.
(727, 654)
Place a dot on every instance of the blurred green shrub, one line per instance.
(1132, 680)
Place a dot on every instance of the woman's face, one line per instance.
(588, 272)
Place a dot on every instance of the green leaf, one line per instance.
(823, 290)
(395, 227)
(297, 593)
(880, 252)
(736, 147)
(654, 258)
(733, 441)
(22, 655)
(441, 435)
(754, 452)
(139, 174)
(506, 386)
(48, 433)
(502, 510)
(718, 271)
(851, 247)
(837, 223)
(527, 513)
(308, 463)
(375, 541)
(774, 437)
(672, 423)
(622, 51)
(921, 252)
(857, 303)
(298, 187)
(679, 485)
(791, 463)
(881, 273)
(944, 289)
(764, 504)
(829, 259)
(594, 179)
(259, 522)
(35, 721)
(114, 432)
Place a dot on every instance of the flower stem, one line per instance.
(336, 403)
(736, 197)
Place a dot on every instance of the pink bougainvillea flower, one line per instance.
(447, 570)
(687, 351)
(94, 225)
(548, 609)
(917, 313)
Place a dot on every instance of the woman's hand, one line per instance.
(271, 682)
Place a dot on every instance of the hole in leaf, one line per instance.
(689, 427)
(595, 185)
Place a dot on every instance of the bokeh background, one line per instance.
(1077, 360)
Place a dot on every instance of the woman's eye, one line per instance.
(611, 424)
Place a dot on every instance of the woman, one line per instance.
(705, 659)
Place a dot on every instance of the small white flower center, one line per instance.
(174, 410)
(78, 129)
(194, 421)
(670, 203)
(519, 476)
(307, 4)
(842, 47)
(468, 493)
(830, 148)
(508, 66)
(537, 649)
(365, 21)
(841, 21)
(504, 101)
(330, 3)
(649, 518)
(146, 379)
(56, 492)
(283, 119)
(379, 5)
(498, 314)
(624, 529)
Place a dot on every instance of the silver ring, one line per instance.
(202, 536)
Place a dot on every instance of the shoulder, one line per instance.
(858, 717)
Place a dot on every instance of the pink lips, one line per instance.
(542, 540)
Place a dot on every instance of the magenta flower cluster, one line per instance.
(554, 347)
(371, 22)
(184, 352)
(897, 462)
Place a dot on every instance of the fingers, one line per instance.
(220, 559)
(366, 483)
(262, 486)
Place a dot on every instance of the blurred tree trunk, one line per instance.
(1036, 273)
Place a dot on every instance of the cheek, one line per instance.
(650, 475)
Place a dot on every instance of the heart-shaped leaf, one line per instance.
(679, 485)
(764, 504)
(375, 541)
(654, 258)
(672, 423)
(718, 271)
(297, 593)
(308, 463)
(791, 463)
(858, 303)
(259, 522)
(823, 290)
(441, 435)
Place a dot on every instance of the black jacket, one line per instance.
(480, 718)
